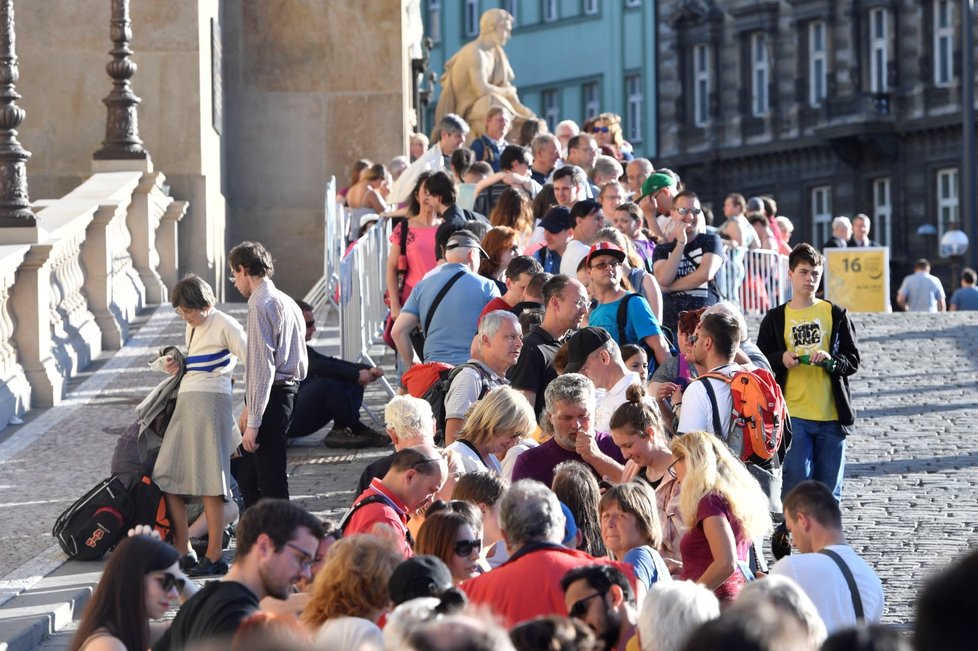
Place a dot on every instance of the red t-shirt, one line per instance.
(529, 586)
(695, 549)
(392, 512)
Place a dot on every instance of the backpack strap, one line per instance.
(483, 377)
(372, 499)
(622, 317)
(857, 600)
(711, 394)
(438, 299)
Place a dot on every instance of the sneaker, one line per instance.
(207, 567)
(377, 439)
(188, 561)
(344, 437)
(199, 545)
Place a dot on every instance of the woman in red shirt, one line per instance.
(724, 509)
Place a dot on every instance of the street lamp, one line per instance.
(954, 244)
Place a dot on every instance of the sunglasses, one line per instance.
(579, 609)
(695, 212)
(168, 582)
(601, 129)
(601, 266)
(465, 548)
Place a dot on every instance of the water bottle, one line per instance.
(827, 364)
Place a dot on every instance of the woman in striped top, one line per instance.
(195, 458)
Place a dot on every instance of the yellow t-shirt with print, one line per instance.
(809, 389)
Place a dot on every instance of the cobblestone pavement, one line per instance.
(909, 499)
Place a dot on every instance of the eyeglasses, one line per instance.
(579, 303)
(692, 339)
(601, 266)
(168, 582)
(695, 212)
(465, 548)
(601, 130)
(672, 468)
(306, 561)
(579, 609)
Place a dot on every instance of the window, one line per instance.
(882, 210)
(471, 18)
(510, 6)
(592, 102)
(947, 199)
(701, 84)
(821, 213)
(590, 7)
(434, 20)
(633, 108)
(943, 43)
(878, 51)
(551, 109)
(759, 74)
(816, 63)
(550, 11)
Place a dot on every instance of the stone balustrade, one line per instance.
(105, 250)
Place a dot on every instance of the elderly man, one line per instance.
(416, 474)
(861, 225)
(449, 312)
(564, 131)
(546, 153)
(566, 303)
(841, 232)
(606, 170)
(601, 597)
(500, 342)
(409, 422)
(528, 585)
(489, 146)
(276, 544)
(453, 130)
(571, 403)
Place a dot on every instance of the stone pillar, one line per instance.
(145, 214)
(166, 244)
(16, 217)
(97, 257)
(122, 123)
(31, 302)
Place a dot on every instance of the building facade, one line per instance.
(833, 107)
(573, 59)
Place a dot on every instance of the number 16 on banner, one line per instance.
(858, 278)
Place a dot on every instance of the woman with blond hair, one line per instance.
(608, 134)
(496, 423)
(349, 595)
(631, 531)
(724, 508)
(638, 430)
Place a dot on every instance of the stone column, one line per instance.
(122, 141)
(31, 303)
(16, 217)
(166, 244)
(99, 280)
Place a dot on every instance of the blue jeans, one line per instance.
(817, 451)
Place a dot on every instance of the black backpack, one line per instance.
(95, 522)
(436, 394)
(622, 320)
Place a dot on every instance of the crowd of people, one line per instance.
(573, 463)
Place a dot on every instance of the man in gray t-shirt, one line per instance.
(920, 291)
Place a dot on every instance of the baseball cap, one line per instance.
(557, 220)
(464, 239)
(570, 524)
(605, 248)
(655, 183)
(584, 342)
(419, 576)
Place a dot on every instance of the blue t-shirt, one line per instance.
(640, 321)
(965, 298)
(649, 566)
(922, 291)
(449, 339)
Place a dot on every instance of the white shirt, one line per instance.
(825, 585)
(430, 161)
(697, 411)
(471, 462)
(612, 400)
(575, 252)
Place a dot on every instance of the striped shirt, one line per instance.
(276, 346)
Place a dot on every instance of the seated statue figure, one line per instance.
(479, 76)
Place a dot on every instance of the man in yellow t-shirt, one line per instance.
(811, 346)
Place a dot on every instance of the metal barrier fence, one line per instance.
(362, 281)
(335, 245)
(754, 279)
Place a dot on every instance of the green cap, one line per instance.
(655, 183)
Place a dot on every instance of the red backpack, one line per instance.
(759, 414)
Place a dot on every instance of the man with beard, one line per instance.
(276, 544)
(600, 596)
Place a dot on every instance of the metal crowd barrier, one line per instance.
(335, 245)
(362, 274)
(755, 279)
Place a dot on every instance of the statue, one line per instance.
(479, 76)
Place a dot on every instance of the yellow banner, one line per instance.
(858, 278)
